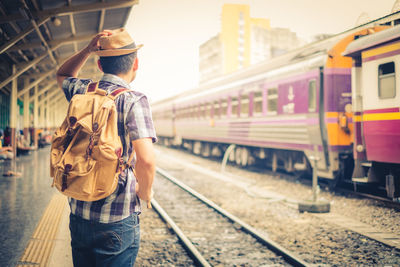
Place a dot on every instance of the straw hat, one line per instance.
(117, 44)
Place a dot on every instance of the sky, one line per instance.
(173, 30)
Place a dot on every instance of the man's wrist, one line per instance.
(86, 50)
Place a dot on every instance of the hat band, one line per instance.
(129, 46)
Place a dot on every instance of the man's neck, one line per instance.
(125, 77)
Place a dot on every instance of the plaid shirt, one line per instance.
(134, 122)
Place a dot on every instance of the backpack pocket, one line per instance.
(76, 178)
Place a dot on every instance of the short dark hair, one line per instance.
(117, 64)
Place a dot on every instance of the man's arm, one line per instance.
(72, 66)
(145, 166)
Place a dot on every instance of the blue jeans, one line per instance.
(104, 244)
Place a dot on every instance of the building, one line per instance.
(242, 41)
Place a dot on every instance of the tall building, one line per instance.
(242, 41)
(210, 59)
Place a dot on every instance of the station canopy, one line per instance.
(37, 36)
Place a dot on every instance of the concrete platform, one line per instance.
(62, 254)
(50, 242)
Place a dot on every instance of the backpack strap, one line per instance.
(117, 92)
(94, 88)
(91, 87)
(122, 165)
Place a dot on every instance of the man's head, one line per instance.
(118, 64)
(118, 54)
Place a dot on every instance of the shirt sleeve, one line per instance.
(72, 86)
(139, 121)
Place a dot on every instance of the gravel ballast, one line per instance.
(263, 200)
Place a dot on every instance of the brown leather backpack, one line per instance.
(86, 151)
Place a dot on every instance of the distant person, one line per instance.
(23, 146)
(6, 152)
(106, 232)
(7, 136)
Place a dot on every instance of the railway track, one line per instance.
(211, 235)
(354, 189)
(388, 238)
(348, 187)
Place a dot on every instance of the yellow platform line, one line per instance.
(42, 241)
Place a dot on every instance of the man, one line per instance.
(106, 232)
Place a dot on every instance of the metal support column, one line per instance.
(14, 111)
(35, 116)
(47, 115)
(26, 114)
(315, 205)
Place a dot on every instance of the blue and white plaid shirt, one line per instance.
(134, 122)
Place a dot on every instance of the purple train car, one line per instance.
(282, 111)
(376, 106)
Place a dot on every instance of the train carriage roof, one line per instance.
(373, 40)
(316, 52)
(38, 35)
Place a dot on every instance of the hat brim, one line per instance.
(116, 52)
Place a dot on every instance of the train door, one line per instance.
(357, 108)
(324, 155)
(316, 126)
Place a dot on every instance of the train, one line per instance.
(321, 106)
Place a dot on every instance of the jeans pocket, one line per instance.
(130, 222)
(108, 242)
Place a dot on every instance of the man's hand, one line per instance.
(72, 66)
(151, 194)
(94, 43)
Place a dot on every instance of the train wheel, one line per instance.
(206, 151)
(274, 162)
(238, 158)
(197, 148)
(289, 164)
(244, 157)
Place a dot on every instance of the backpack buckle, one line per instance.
(67, 169)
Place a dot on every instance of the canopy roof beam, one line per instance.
(72, 24)
(101, 22)
(31, 85)
(43, 90)
(21, 35)
(39, 33)
(48, 96)
(17, 29)
(53, 43)
(66, 10)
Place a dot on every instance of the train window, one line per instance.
(234, 106)
(208, 110)
(312, 95)
(203, 110)
(244, 105)
(224, 107)
(179, 113)
(193, 111)
(186, 112)
(258, 102)
(387, 81)
(198, 111)
(272, 99)
(216, 109)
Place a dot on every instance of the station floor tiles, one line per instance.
(50, 242)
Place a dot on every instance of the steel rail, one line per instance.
(194, 253)
(272, 245)
(386, 201)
